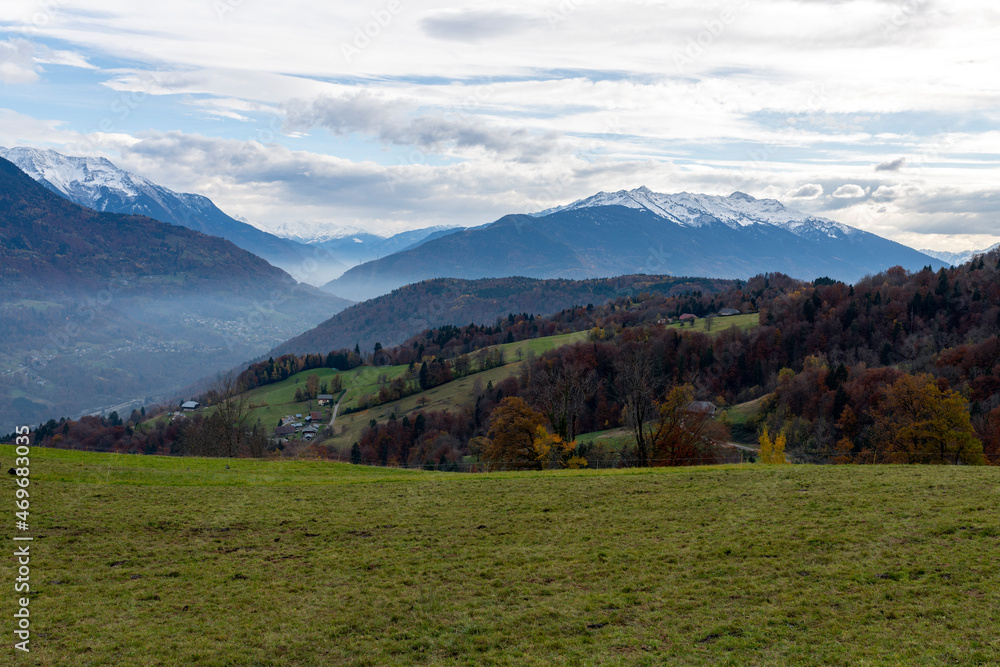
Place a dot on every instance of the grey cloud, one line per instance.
(807, 191)
(892, 165)
(259, 181)
(396, 123)
(475, 25)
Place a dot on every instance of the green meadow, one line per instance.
(170, 561)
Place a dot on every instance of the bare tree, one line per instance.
(562, 388)
(634, 387)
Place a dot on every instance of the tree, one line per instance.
(684, 433)
(229, 431)
(772, 451)
(915, 421)
(633, 384)
(356, 454)
(312, 387)
(552, 451)
(513, 429)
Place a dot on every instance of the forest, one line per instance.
(900, 367)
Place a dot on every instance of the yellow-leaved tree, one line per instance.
(552, 451)
(772, 451)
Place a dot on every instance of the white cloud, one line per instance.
(849, 191)
(17, 62)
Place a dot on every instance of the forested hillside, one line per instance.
(391, 319)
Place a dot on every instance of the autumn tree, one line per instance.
(684, 432)
(552, 451)
(916, 421)
(513, 430)
(772, 451)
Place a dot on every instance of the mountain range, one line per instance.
(100, 309)
(100, 185)
(956, 258)
(640, 231)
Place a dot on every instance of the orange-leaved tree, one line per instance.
(511, 439)
(554, 452)
(917, 421)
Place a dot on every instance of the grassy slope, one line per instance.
(278, 399)
(744, 321)
(139, 560)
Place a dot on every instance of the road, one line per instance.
(336, 408)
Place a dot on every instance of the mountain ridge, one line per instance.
(99, 184)
(641, 231)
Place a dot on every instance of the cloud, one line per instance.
(892, 165)
(17, 62)
(849, 191)
(475, 25)
(886, 193)
(807, 191)
(398, 122)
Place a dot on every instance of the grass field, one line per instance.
(449, 396)
(278, 399)
(744, 321)
(158, 561)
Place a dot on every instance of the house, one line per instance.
(284, 430)
(726, 312)
(703, 407)
(314, 416)
(325, 399)
(310, 429)
(189, 406)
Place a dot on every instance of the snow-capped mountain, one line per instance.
(956, 258)
(100, 185)
(695, 210)
(640, 231)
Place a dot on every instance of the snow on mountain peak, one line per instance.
(79, 177)
(694, 210)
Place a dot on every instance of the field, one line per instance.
(277, 400)
(744, 321)
(159, 561)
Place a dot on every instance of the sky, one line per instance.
(391, 115)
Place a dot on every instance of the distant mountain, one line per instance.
(102, 309)
(357, 247)
(641, 231)
(395, 317)
(956, 258)
(98, 184)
